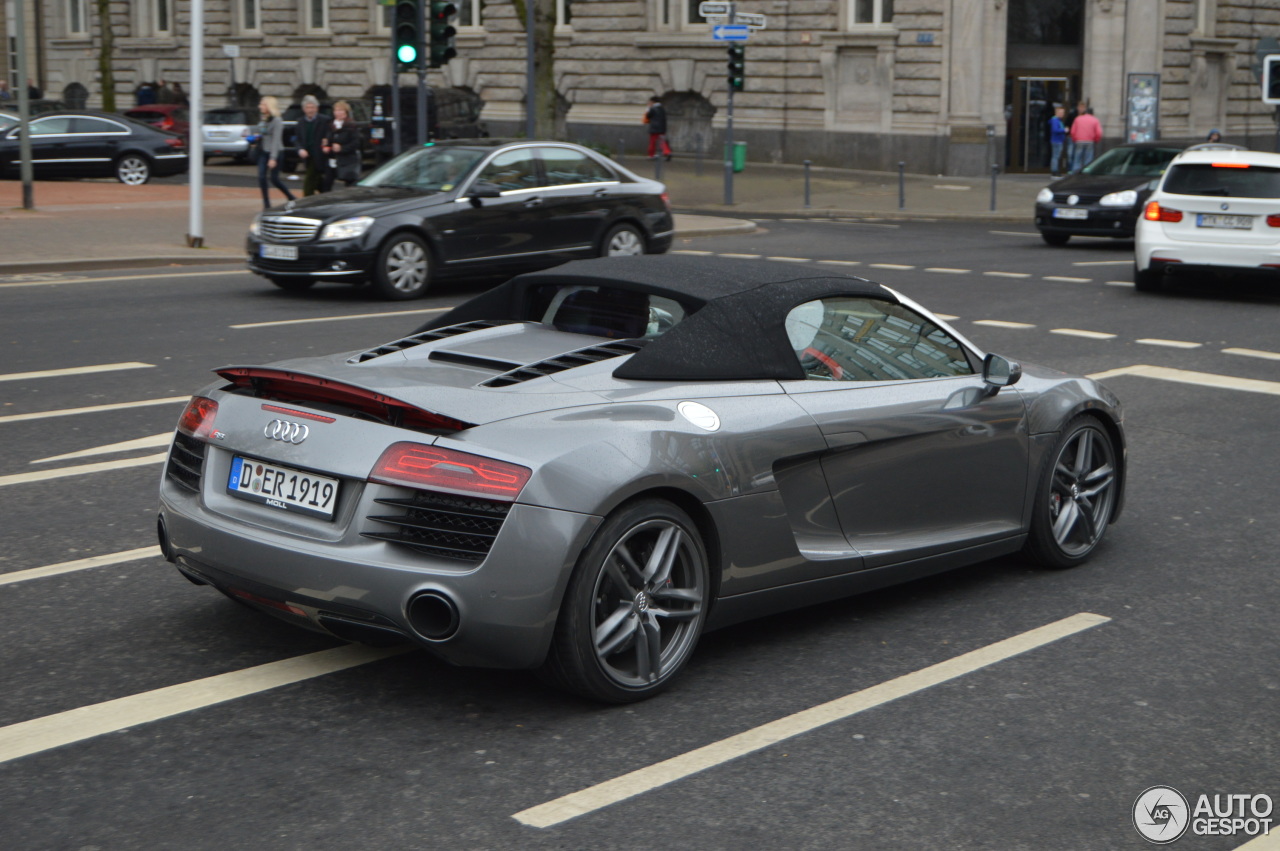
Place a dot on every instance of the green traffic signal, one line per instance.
(407, 54)
(408, 34)
(737, 67)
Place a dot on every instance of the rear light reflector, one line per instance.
(263, 601)
(436, 468)
(666, 200)
(1156, 213)
(1273, 220)
(175, 142)
(1164, 260)
(197, 419)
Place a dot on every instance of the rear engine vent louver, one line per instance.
(426, 337)
(568, 360)
(186, 462)
(442, 524)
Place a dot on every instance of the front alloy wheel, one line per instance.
(1076, 497)
(404, 268)
(133, 170)
(635, 606)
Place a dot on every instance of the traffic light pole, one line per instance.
(422, 106)
(728, 130)
(395, 108)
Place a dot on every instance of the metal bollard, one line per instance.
(697, 160)
(995, 169)
(806, 184)
(902, 186)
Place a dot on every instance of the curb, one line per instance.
(892, 216)
(95, 264)
(739, 226)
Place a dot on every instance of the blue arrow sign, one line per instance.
(731, 32)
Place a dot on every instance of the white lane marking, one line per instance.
(943, 270)
(1119, 283)
(149, 442)
(691, 251)
(1013, 233)
(1000, 323)
(946, 317)
(126, 278)
(1088, 335)
(86, 722)
(1186, 376)
(1103, 263)
(1067, 279)
(1253, 353)
(790, 259)
(842, 262)
(341, 318)
(1008, 274)
(890, 266)
(743, 256)
(1172, 344)
(749, 741)
(93, 409)
(76, 370)
(1265, 842)
(952, 186)
(84, 469)
(79, 564)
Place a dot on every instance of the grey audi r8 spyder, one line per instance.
(583, 469)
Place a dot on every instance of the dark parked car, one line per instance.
(454, 209)
(163, 116)
(1105, 197)
(36, 106)
(95, 144)
(586, 468)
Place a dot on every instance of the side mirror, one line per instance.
(482, 189)
(999, 371)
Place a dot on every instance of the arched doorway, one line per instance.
(1045, 54)
(75, 96)
(245, 96)
(688, 121)
(309, 89)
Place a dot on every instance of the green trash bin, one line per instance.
(738, 156)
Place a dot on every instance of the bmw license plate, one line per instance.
(283, 487)
(278, 252)
(1070, 213)
(1214, 220)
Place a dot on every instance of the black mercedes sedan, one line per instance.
(1105, 197)
(475, 208)
(94, 144)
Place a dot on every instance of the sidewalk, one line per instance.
(102, 224)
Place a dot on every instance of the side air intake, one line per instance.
(568, 360)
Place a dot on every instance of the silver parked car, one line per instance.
(587, 467)
(227, 131)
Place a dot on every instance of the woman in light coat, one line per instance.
(270, 150)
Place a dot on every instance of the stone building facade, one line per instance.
(946, 86)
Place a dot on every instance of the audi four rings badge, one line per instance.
(289, 432)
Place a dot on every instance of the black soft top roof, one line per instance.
(736, 310)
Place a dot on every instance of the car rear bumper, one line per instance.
(1153, 248)
(1115, 222)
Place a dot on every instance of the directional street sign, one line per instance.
(707, 9)
(751, 19)
(730, 32)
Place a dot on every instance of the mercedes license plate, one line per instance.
(1070, 213)
(1214, 220)
(278, 252)
(283, 487)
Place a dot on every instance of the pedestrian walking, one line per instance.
(656, 119)
(5, 94)
(1214, 136)
(1057, 136)
(270, 150)
(33, 91)
(144, 94)
(1086, 133)
(164, 93)
(309, 135)
(180, 96)
(342, 148)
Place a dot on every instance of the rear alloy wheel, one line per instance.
(404, 268)
(292, 284)
(1055, 238)
(1149, 280)
(623, 241)
(133, 169)
(634, 607)
(1076, 495)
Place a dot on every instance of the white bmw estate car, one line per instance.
(1213, 211)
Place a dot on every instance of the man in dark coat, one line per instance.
(656, 117)
(309, 136)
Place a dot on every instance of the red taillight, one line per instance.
(666, 200)
(1230, 165)
(1273, 220)
(417, 466)
(175, 142)
(1156, 213)
(294, 412)
(166, 123)
(197, 419)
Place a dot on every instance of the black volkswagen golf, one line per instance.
(475, 208)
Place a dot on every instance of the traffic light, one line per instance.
(1271, 78)
(442, 32)
(737, 67)
(407, 37)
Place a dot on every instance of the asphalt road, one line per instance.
(1042, 749)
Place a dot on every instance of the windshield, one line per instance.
(1136, 162)
(434, 169)
(228, 117)
(1232, 181)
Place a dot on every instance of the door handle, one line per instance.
(600, 193)
(533, 202)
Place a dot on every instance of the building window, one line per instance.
(163, 20)
(250, 15)
(1206, 17)
(76, 24)
(564, 15)
(679, 14)
(317, 15)
(469, 14)
(864, 13)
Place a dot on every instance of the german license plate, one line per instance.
(1214, 220)
(278, 252)
(1070, 213)
(283, 487)
(377, 133)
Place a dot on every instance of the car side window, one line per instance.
(85, 124)
(51, 126)
(511, 170)
(845, 338)
(566, 167)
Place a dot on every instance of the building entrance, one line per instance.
(1031, 102)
